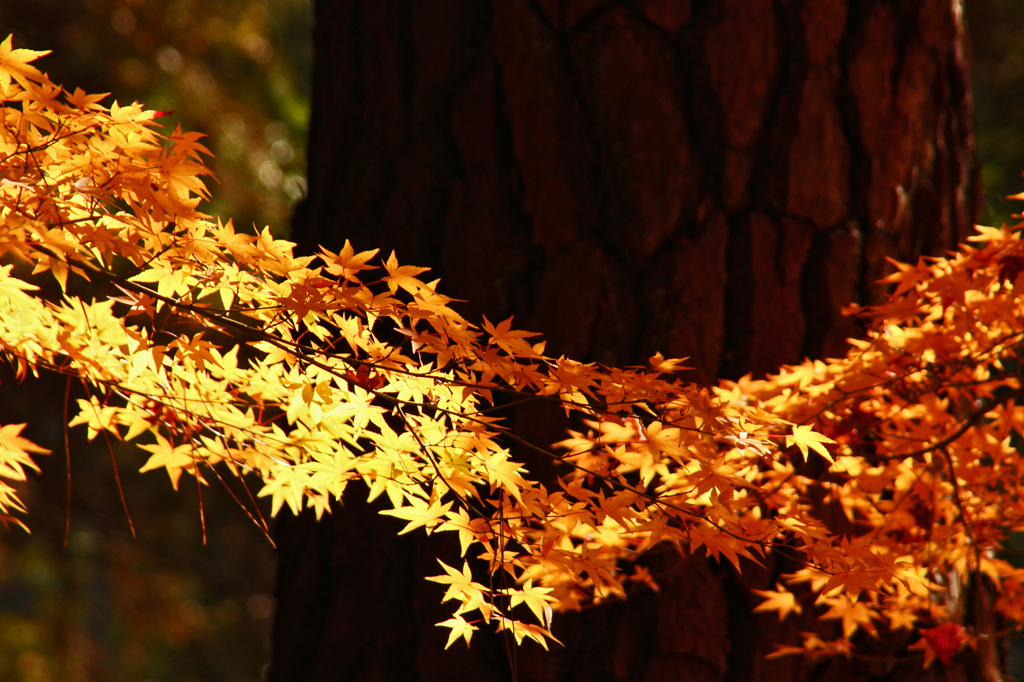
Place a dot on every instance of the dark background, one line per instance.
(164, 605)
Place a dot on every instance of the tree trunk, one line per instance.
(708, 179)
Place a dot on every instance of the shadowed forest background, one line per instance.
(163, 606)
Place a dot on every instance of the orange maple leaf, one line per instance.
(782, 601)
(15, 63)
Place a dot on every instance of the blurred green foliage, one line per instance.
(236, 70)
(997, 42)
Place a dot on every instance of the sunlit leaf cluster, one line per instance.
(927, 417)
(886, 479)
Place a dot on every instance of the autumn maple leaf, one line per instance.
(907, 276)
(659, 364)
(806, 437)
(402, 276)
(941, 641)
(16, 63)
(782, 601)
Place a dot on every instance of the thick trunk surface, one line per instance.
(708, 179)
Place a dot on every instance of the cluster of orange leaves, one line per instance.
(887, 478)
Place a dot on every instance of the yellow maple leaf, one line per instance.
(419, 513)
(804, 436)
(459, 628)
(286, 485)
(15, 455)
(536, 598)
(460, 521)
(174, 458)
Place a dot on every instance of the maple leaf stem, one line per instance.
(437, 469)
(958, 500)
(67, 460)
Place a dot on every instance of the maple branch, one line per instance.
(971, 421)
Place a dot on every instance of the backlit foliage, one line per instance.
(887, 479)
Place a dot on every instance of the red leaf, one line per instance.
(944, 639)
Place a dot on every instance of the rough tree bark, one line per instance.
(709, 179)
